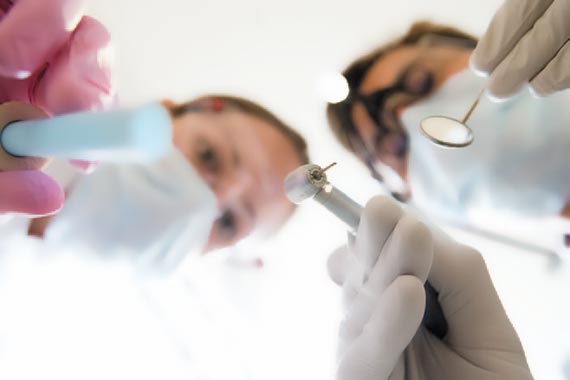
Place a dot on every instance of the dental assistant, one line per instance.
(518, 162)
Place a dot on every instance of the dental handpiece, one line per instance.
(28, 137)
(310, 182)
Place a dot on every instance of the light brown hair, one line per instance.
(221, 102)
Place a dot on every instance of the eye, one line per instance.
(208, 157)
(228, 226)
(418, 81)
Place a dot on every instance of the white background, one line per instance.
(223, 318)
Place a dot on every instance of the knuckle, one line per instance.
(381, 208)
(479, 61)
(411, 295)
(473, 262)
(410, 288)
(416, 240)
(411, 227)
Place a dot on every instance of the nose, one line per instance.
(232, 185)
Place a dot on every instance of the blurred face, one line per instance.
(400, 78)
(244, 160)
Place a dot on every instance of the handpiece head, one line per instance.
(304, 183)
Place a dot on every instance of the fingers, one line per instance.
(532, 52)
(32, 31)
(29, 192)
(555, 76)
(377, 222)
(408, 251)
(79, 76)
(511, 22)
(394, 321)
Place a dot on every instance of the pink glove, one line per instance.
(54, 58)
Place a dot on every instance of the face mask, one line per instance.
(155, 213)
(516, 162)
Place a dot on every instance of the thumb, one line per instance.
(336, 265)
(29, 192)
(338, 261)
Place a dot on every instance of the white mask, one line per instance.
(517, 162)
(155, 213)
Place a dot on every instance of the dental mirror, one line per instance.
(449, 132)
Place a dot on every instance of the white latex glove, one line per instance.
(381, 337)
(527, 41)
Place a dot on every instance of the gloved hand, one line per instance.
(381, 337)
(527, 41)
(54, 58)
